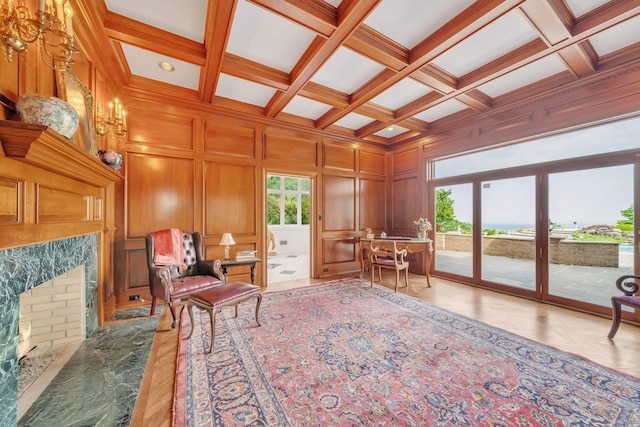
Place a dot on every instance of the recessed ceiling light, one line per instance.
(166, 66)
(390, 128)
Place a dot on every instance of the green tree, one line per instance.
(273, 209)
(626, 224)
(445, 215)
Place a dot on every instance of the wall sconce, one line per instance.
(114, 120)
(227, 240)
(52, 29)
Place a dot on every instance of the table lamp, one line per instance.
(227, 240)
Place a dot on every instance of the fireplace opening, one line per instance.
(51, 327)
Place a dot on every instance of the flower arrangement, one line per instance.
(422, 226)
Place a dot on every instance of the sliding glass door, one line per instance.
(509, 232)
(454, 229)
(591, 237)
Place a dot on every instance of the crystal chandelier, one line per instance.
(51, 29)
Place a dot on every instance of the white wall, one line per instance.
(297, 238)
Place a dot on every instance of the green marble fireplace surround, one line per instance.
(24, 268)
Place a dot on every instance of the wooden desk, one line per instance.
(226, 263)
(411, 245)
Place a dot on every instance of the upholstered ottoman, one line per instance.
(213, 299)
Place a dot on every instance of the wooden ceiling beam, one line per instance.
(316, 15)
(246, 69)
(376, 46)
(136, 33)
(475, 99)
(219, 19)
(324, 94)
(436, 78)
(579, 58)
(552, 24)
(460, 27)
(351, 16)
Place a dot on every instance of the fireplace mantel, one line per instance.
(42, 147)
(52, 189)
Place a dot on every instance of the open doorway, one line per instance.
(288, 228)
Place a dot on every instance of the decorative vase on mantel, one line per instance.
(49, 111)
(111, 158)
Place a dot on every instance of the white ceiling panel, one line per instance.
(243, 90)
(408, 22)
(186, 18)
(439, 111)
(144, 63)
(617, 37)
(580, 7)
(346, 71)
(403, 92)
(266, 38)
(487, 44)
(354, 121)
(305, 107)
(541, 69)
(391, 131)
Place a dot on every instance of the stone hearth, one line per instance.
(24, 268)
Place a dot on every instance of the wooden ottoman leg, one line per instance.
(212, 318)
(258, 301)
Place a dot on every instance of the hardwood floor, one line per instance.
(567, 330)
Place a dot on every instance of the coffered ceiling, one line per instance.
(381, 70)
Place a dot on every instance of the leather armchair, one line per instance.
(173, 284)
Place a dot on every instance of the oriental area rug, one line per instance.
(345, 354)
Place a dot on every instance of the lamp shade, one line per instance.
(227, 239)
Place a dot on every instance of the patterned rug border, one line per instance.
(502, 341)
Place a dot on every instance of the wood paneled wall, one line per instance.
(206, 172)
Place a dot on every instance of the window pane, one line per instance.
(290, 209)
(305, 184)
(606, 138)
(273, 182)
(306, 211)
(290, 183)
(591, 243)
(273, 209)
(454, 232)
(508, 232)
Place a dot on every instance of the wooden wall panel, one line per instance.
(11, 195)
(372, 204)
(138, 271)
(286, 148)
(229, 193)
(339, 157)
(339, 250)
(372, 163)
(405, 203)
(61, 206)
(160, 193)
(405, 161)
(339, 203)
(152, 128)
(237, 141)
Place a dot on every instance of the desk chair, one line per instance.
(385, 254)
